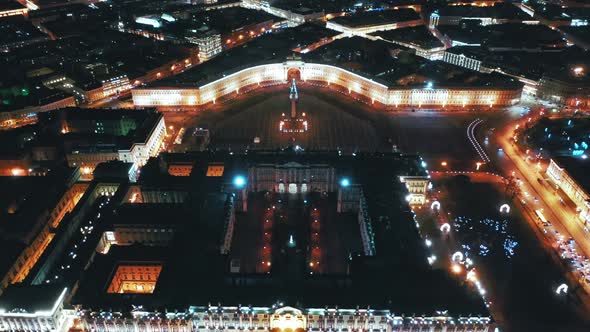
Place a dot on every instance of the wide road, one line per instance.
(553, 209)
(537, 194)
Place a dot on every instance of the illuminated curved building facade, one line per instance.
(340, 79)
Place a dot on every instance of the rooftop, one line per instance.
(10, 5)
(577, 168)
(31, 299)
(377, 17)
(24, 203)
(205, 278)
(374, 59)
(418, 36)
(269, 48)
(120, 129)
(510, 35)
(502, 10)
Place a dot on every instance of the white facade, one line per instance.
(138, 153)
(116, 85)
(462, 61)
(571, 188)
(282, 319)
(364, 30)
(53, 319)
(417, 187)
(277, 73)
(209, 45)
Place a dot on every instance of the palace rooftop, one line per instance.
(198, 229)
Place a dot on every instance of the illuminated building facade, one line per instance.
(292, 178)
(570, 89)
(28, 115)
(137, 279)
(281, 319)
(366, 29)
(343, 80)
(48, 313)
(125, 235)
(417, 187)
(17, 10)
(462, 61)
(137, 152)
(109, 87)
(558, 172)
(209, 44)
(37, 240)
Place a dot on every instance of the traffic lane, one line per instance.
(550, 202)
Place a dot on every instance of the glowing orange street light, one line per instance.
(444, 163)
(456, 268)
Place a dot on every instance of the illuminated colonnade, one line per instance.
(375, 92)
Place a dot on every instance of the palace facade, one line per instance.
(345, 81)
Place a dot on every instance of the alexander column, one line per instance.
(294, 96)
(293, 123)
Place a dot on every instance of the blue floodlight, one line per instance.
(429, 85)
(345, 182)
(239, 181)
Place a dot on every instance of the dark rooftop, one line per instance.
(31, 299)
(374, 59)
(25, 201)
(272, 47)
(503, 10)
(514, 35)
(202, 270)
(10, 5)
(418, 36)
(577, 168)
(17, 30)
(82, 135)
(377, 17)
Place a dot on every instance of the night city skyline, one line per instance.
(295, 166)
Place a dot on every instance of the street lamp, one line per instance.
(345, 182)
(239, 181)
